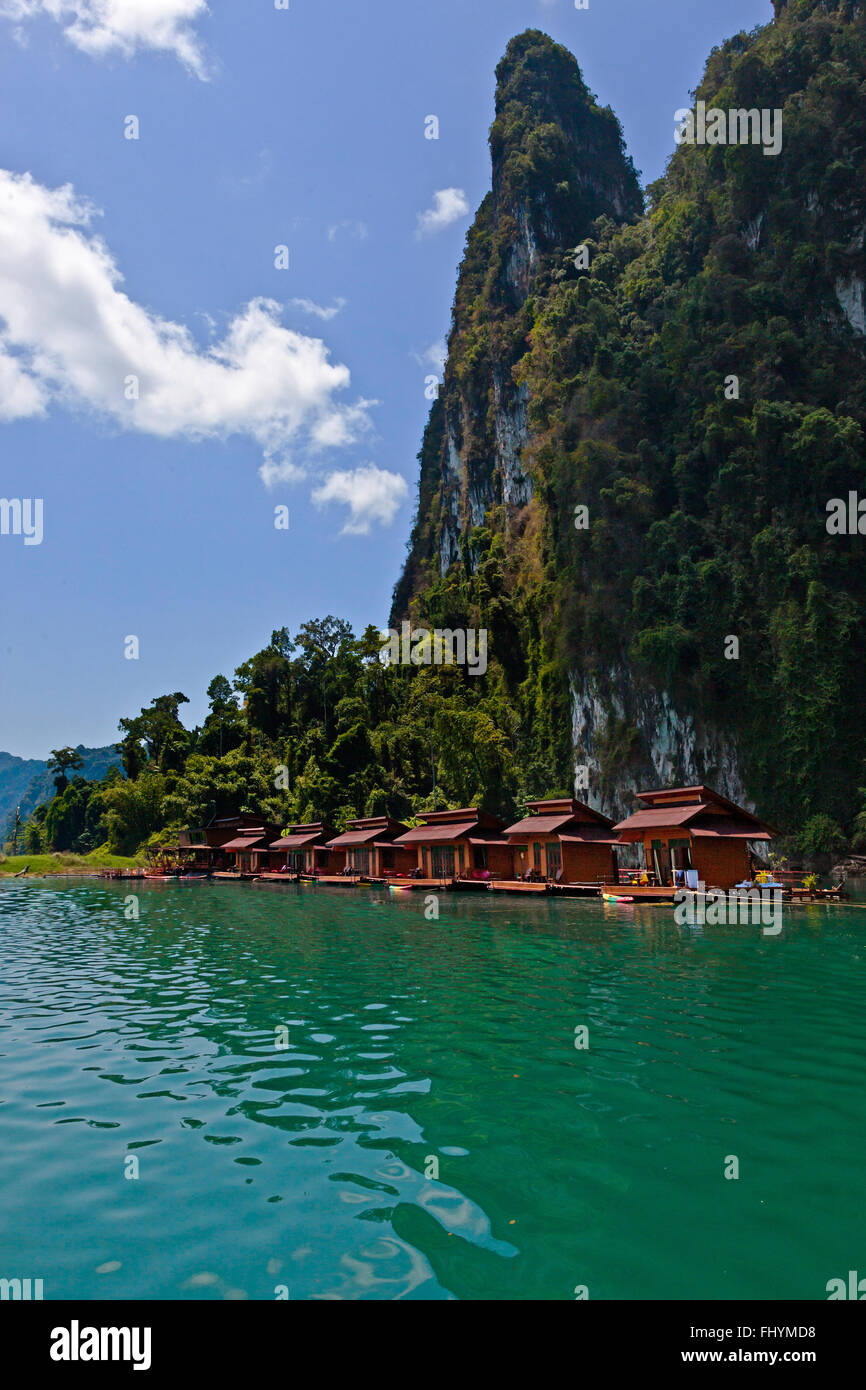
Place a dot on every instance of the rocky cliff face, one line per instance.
(698, 388)
(626, 738)
(557, 164)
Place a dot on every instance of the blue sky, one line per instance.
(155, 258)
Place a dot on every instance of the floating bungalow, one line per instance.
(560, 843)
(463, 848)
(239, 846)
(305, 850)
(371, 851)
(189, 858)
(685, 837)
(688, 835)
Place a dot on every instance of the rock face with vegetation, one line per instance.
(611, 387)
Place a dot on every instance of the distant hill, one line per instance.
(26, 782)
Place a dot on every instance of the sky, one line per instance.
(228, 255)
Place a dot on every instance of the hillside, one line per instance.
(26, 782)
(610, 387)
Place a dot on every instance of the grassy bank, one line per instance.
(65, 863)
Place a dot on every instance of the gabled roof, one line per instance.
(556, 816)
(427, 834)
(366, 830)
(353, 837)
(295, 841)
(462, 814)
(698, 808)
(726, 828)
(256, 839)
(540, 825)
(450, 825)
(301, 836)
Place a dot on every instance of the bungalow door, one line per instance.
(661, 861)
(554, 859)
(442, 861)
(681, 859)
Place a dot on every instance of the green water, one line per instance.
(412, 1040)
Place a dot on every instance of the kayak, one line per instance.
(612, 898)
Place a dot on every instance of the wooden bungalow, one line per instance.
(464, 847)
(246, 852)
(190, 856)
(305, 850)
(562, 843)
(689, 835)
(370, 849)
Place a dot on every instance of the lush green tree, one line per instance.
(61, 761)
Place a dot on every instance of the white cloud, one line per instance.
(436, 355)
(449, 204)
(101, 27)
(69, 334)
(20, 394)
(372, 495)
(358, 230)
(317, 310)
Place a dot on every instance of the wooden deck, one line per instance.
(439, 885)
(335, 880)
(568, 890)
(516, 885)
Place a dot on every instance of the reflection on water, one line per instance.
(255, 1092)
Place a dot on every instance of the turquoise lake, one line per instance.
(310, 1169)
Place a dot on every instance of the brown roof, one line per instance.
(650, 820)
(354, 837)
(727, 828)
(561, 805)
(699, 808)
(364, 831)
(254, 841)
(427, 833)
(466, 813)
(296, 841)
(540, 825)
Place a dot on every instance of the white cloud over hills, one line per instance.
(71, 336)
(123, 27)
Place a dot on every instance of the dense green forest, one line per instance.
(692, 374)
(310, 728)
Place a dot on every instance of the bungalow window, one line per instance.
(536, 858)
(361, 861)
(479, 857)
